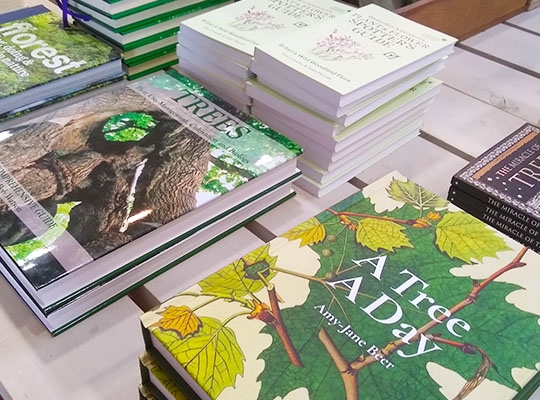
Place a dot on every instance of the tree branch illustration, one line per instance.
(481, 372)
(351, 368)
(281, 328)
(420, 222)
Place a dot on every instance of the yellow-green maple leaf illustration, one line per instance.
(310, 232)
(212, 357)
(180, 319)
(153, 368)
(462, 236)
(244, 276)
(414, 194)
(378, 234)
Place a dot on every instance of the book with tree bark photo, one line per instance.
(392, 293)
(41, 61)
(94, 189)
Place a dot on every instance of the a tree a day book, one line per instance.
(507, 175)
(40, 60)
(158, 381)
(240, 26)
(325, 59)
(95, 188)
(393, 293)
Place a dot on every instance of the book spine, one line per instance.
(166, 367)
(526, 231)
(22, 13)
(487, 198)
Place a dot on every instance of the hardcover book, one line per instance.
(236, 29)
(157, 380)
(507, 174)
(94, 189)
(138, 34)
(41, 61)
(393, 293)
(122, 7)
(146, 17)
(512, 222)
(325, 59)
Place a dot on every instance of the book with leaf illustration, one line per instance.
(42, 62)
(157, 381)
(95, 189)
(392, 293)
(324, 59)
(234, 31)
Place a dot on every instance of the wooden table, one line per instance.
(492, 86)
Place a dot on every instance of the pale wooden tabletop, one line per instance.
(491, 87)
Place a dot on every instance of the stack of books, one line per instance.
(41, 62)
(349, 90)
(156, 383)
(145, 30)
(392, 293)
(502, 186)
(216, 48)
(100, 195)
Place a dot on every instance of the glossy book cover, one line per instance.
(35, 49)
(393, 293)
(84, 180)
(325, 58)
(247, 23)
(507, 175)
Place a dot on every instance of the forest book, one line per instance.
(324, 59)
(234, 31)
(392, 293)
(94, 189)
(507, 175)
(40, 61)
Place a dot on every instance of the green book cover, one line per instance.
(35, 50)
(120, 175)
(393, 293)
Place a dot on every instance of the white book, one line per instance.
(325, 157)
(239, 27)
(312, 126)
(320, 190)
(354, 55)
(194, 58)
(354, 111)
(195, 51)
(374, 145)
(228, 91)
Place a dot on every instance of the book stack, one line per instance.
(349, 90)
(41, 62)
(145, 30)
(333, 309)
(502, 186)
(156, 383)
(100, 195)
(216, 48)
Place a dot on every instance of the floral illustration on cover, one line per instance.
(253, 19)
(336, 47)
